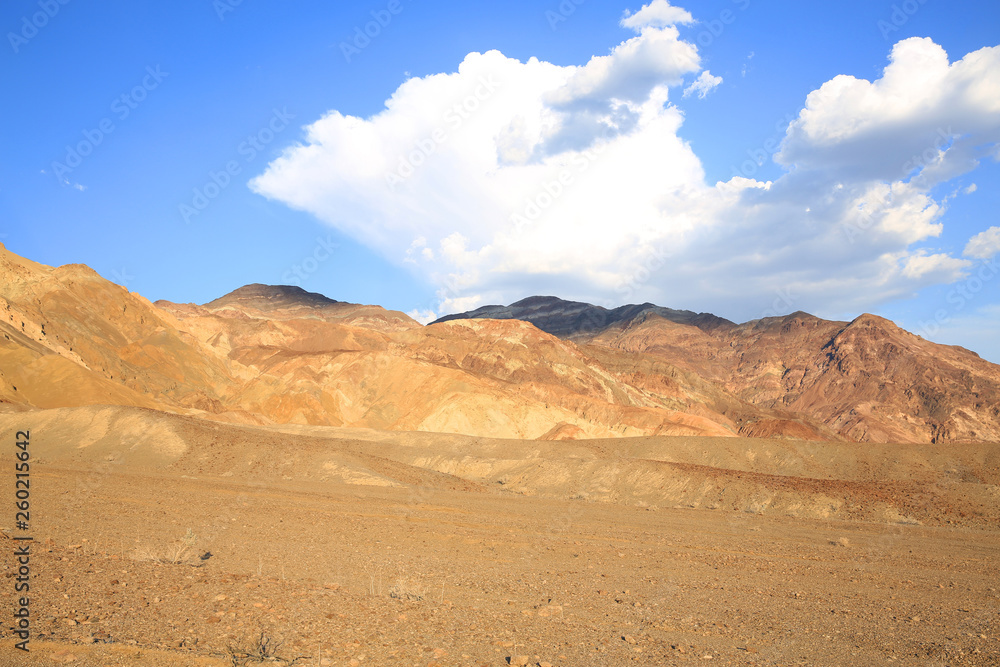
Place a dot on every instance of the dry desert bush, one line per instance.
(180, 551)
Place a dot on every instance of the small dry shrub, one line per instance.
(181, 550)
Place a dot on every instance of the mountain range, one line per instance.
(542, 368)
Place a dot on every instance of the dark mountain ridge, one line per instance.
(269, 297)
(575, 319)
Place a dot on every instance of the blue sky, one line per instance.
(660, 202)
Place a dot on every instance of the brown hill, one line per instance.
(279, 354)
(481, 378)
(287, 302)
(265, 354)
(72, 338)
(868, 379)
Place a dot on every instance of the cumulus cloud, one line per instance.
(925, 118)
(505, 178)
(657, 14)
(703, 85)
(632, 70)
(984, 245)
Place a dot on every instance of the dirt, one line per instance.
(162, 540)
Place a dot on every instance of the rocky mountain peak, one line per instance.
(269, 297)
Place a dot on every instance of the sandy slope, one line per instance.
(929, 485)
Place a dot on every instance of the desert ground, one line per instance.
(168, 540)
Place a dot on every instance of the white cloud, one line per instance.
(972, 188)
(984, 245)
(944, 268)
(423, 316)
(925, 118)
(418, 246)
(703, 85)
(629, 74)
(462, 303)
(657, 14)
(506, 178)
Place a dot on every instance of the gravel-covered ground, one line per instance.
(366, 575)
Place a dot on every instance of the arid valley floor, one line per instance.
(359, 547)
